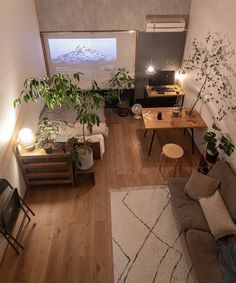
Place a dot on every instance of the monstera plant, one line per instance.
(60, 91)
(216, 140)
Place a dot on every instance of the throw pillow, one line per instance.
(217, 215)
(200, 185)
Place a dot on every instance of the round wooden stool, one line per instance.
(172, 151)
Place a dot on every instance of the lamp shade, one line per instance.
(180, 75)
(150, 70)
(26, 138)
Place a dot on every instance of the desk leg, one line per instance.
(192, 130)
(150, 148)
(145, 133)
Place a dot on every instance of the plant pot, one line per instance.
(175, 113)
(48, 147)
(85, 157)
(123, 109)
(210, 157)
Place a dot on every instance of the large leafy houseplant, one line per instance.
(217, 140)
(60, 91)
(119, 82)
(211, 61)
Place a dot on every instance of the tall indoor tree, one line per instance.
(211, 61)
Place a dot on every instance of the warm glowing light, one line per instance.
(180, 75)
(26, 138)
(150, 70)
(7, 125)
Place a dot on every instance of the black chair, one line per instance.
(10, 206)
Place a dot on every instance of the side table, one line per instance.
(89, 173)
(40, 168)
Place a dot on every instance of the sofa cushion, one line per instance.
(227, 186)
(217, 215)
(203, 252)
(200, 185)
(188, 212)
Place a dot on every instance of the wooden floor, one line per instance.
(69, 240)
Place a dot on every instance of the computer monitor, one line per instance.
(162, 78)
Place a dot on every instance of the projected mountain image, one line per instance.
(81, 54)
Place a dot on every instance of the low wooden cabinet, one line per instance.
(40, 168)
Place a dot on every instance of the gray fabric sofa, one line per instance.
(201, 244)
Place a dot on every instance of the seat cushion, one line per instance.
(203, 252)
(188, 211)
(217, 216)
(227, 187)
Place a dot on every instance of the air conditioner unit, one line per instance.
(156, 24)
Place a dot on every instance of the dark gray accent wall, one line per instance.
(164, 49)
(85, 15)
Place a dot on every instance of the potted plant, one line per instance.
(46, 133)
(59, 91)
(177, 109)
(215, 142)
(86, 114)
(211, 64)
(119, 82)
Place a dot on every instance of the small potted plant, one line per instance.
(48, 147)
(176, 110)
(46, 134)
(119, 82)
(215, 142)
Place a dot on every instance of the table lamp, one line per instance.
(26, 138)
(180, 75)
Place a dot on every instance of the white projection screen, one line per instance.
(95, 54)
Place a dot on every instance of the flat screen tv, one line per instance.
(95, 54)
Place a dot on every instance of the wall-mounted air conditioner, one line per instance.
(162, 24)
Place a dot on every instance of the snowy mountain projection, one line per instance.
(89, 50)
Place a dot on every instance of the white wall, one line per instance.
(85, 15)
(211, 16)
(20, 57)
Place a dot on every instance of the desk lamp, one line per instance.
(26, 138)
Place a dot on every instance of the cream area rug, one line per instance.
(147, 244)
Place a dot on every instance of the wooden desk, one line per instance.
(170, 122)
(177, 92)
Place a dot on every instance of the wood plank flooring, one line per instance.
(69, 240)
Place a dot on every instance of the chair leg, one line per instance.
(180, 165)
(161, 159)
(23, 204)
(145, 133)
(11, 240)
(176, 162)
